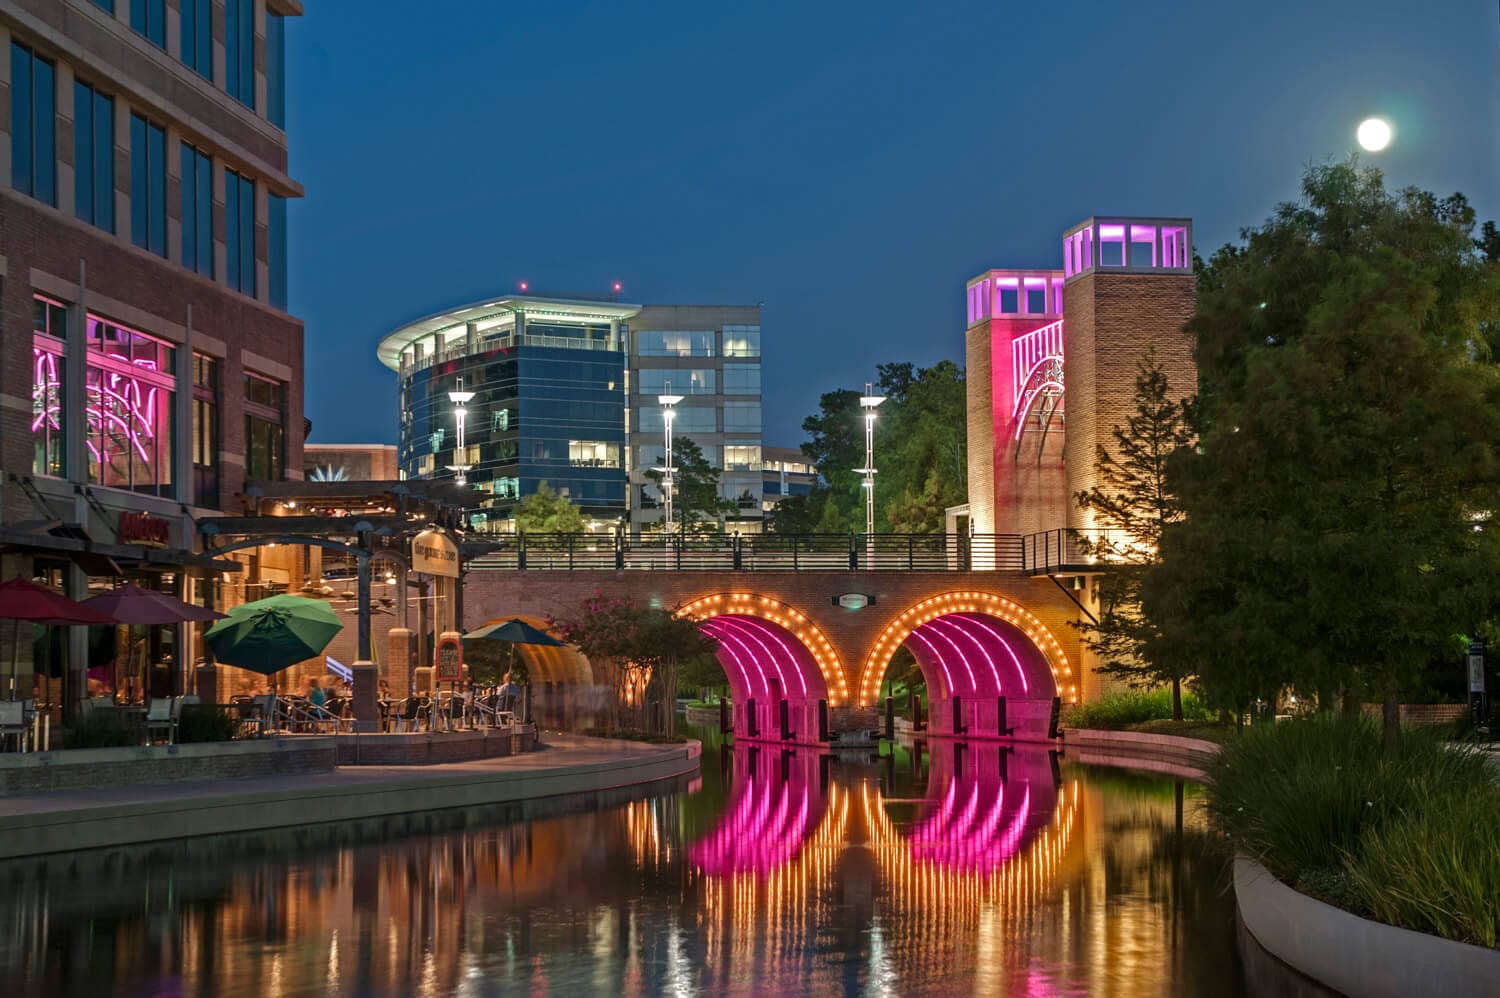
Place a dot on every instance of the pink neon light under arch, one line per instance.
(985, 652)
(744, 673)
(796, 663)
(973, 683)
(938, 657)
(767, 657)
(1020, 669)
(724, 636)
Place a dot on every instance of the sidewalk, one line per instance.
(111, 816)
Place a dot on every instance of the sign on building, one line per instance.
(143, 529)
(434, 553)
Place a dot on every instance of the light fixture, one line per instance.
(869, 401)
(667, 402)
(459, 398)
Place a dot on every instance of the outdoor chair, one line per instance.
(405, 716)
(13, 723)
(160, 718)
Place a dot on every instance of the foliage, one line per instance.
(1411, 840)
(103, 729)
(1134, 503)
(920, 447)
(1436, 869)
(1348, 429)
(797, 514)
(489, 661)
(1117, 711)
(637, 650)
(701, 673)
(546, 512)
(696, 502)
(204, 722)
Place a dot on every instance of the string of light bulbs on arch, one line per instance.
(811, 637)
(896, 633)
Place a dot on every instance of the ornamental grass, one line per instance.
(1412, 841)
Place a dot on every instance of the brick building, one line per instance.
(148, 365)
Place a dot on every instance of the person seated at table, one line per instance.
(510, 694)
(317, 697)
(383, 690)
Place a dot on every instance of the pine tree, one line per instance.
(1134, 503)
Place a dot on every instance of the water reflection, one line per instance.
(945, 871)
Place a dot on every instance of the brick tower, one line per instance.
(1128, 287)
(1014, 357)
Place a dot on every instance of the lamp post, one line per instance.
(667, 412)
(869, 401)
(459, 398)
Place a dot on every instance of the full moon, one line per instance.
(1374, 134)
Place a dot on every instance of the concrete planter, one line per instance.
(1133, 748)
(1352, 955)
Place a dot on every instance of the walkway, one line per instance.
(92, 818)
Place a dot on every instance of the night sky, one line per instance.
(849, 165)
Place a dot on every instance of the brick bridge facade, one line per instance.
(783, 638)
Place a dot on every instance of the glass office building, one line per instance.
(565, 392)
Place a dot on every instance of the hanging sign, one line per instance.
(448, 667)
(434, 553)
(143, 529)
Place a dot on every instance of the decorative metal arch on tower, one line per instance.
(1038, 387)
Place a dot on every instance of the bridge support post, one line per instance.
(823, 723)
(1000, 720)
(726, 718)
(784, 717)
(958, 716)
(1053, 717)
(752, 726)
(917, 724)
(890, 718)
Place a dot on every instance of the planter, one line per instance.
(1352, 955)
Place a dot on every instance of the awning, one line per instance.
(71, 541)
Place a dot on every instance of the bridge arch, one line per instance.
(973, 648)
(771, 653)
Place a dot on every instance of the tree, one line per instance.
(921, 445)
(798, 514)
(696, 502)
(546, 512)
(1134, 503)
(836, 446)
(703, 673)
(603, 629)
(663, 641)
(1348, 434)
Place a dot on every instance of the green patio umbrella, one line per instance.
(514, 631)
(273, 634)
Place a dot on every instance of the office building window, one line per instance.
(742, 457)
(33, 119)
(93, 156)
(49, 321)
(239, 50)
(656, 381)
(741, 379)
(276, 69)
(149, 17)
(148, 185)
(108, 5)
(197, 211)
(239, 231)
(593, 454)
(205, 430)
(129, 388)
(742, 341)
(276, 211)
(659, 343)
(741, 417)
(197, 36)
(265, 444)
(686, 419)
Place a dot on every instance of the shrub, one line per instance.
(1410, 841)
(103, 729)
(1120, 710)
(204, 722)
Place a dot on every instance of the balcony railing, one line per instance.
(753, 553)
(506, 342)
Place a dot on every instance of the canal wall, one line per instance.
(77, 769)
(115, 816)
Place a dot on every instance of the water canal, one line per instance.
(938, 872)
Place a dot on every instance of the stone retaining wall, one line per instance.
(429, 748)
(74, 769)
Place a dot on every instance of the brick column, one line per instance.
(366, 697)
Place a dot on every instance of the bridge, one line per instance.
(807, 625)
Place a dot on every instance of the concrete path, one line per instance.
(110, 816)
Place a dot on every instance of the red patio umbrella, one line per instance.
(130, 604)
(24, 600)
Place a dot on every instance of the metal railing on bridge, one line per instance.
(1067, 552)
(752, 553)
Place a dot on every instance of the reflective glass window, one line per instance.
(33, 118)
(742, 341)
(741, 379)
(741, 417)
(148, 185)
(660, 343)
(197, 211)
(93, 156)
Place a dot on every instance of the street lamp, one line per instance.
(869, 401)
(459, 398)
(667, 402)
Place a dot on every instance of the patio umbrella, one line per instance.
(514, 631)
(273, 634)
(130, 604)
(24, 600)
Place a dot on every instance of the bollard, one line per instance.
(890, 718)
(784, 716)
(822, 720)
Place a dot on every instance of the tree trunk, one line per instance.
(1176, 698)
(1391, 721)
(1350, 702)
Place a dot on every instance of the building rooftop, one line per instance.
(492, 312)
